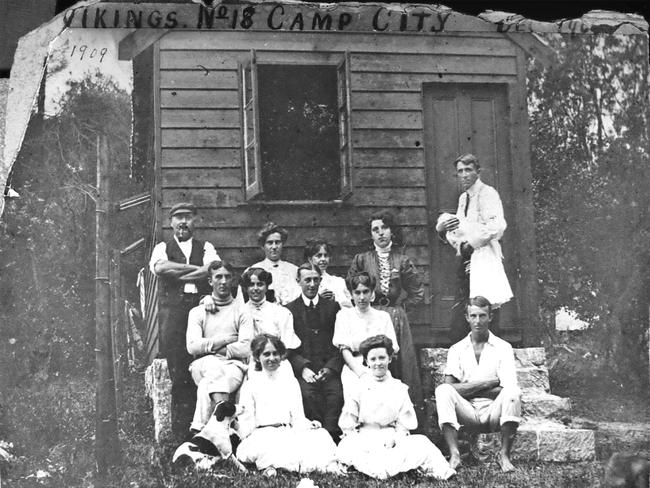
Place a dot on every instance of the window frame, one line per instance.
(341, 61)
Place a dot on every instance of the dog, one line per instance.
(214, 442)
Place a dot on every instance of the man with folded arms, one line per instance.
(480, 388)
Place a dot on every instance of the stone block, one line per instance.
(433, 360)
(528, 357)
(533, 378)
(158, 387)
(488, 445)
(564, 445)
(541, 405)
(541, 441)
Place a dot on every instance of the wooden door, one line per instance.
(461, 118)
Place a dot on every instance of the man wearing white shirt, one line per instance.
(480, 386)
(474, 233)
(181, 265)
(272, 238)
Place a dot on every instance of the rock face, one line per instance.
(158, 387)
(543, 435)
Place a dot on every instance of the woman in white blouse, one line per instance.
(318, 252)
(267, 317)
(354, 325)
(275, 432)
(376, 421)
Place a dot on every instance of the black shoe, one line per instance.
(224, 409)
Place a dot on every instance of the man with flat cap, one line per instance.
(181, 265)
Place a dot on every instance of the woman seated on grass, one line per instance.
(318, 252)
(275, 432)
(353, 325)
(376, 421)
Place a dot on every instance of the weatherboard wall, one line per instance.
(198, 135)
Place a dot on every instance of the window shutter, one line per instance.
(345, 133)
(251, 161)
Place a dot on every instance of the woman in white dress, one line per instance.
(353, 325)
(376, 421)
(274, 430)
(267, 317)
(318, 252)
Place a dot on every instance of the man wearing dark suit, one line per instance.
(317, 363)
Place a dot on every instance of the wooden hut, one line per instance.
(314, 116)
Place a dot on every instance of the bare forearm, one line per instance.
(491, 393)
(473, 389)
(171, 269)
(195, 274)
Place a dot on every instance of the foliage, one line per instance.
(47, 235)
(590, 160)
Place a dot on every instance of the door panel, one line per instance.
(461, 118)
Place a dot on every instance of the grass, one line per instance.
(51, 427)
(50, 422)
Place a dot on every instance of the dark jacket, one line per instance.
(316, 350)
(403, 276)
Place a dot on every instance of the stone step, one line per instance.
(533, 378)
(541, 441)
(614, 437)
(541, 405)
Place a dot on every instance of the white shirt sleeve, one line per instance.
(209, 253)
(287, 334)
(507, 371)
(195, 342)
(159, 253)
(342, 337)
(453, 367)
(341, 293)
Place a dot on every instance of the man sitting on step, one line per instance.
(480, 388)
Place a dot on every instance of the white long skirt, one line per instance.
(365, 451)
(298, 450)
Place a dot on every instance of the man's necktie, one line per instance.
(466, 203)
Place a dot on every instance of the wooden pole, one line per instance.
(106, 439)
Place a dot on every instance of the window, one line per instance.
(296, 140)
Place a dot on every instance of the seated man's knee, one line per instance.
(511, 393)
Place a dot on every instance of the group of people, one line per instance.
(321, 372)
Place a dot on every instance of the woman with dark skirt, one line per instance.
(397, 286)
